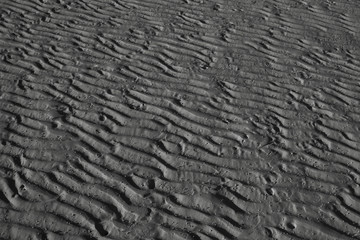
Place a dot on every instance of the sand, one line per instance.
(180, 119)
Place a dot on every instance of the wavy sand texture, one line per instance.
(180, 119)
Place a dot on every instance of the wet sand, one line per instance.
(180, 119)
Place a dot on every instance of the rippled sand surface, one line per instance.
(180, 119)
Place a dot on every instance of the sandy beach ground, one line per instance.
(180, 119)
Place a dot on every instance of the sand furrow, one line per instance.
(181, 119)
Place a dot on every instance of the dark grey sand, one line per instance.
(180, 119)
